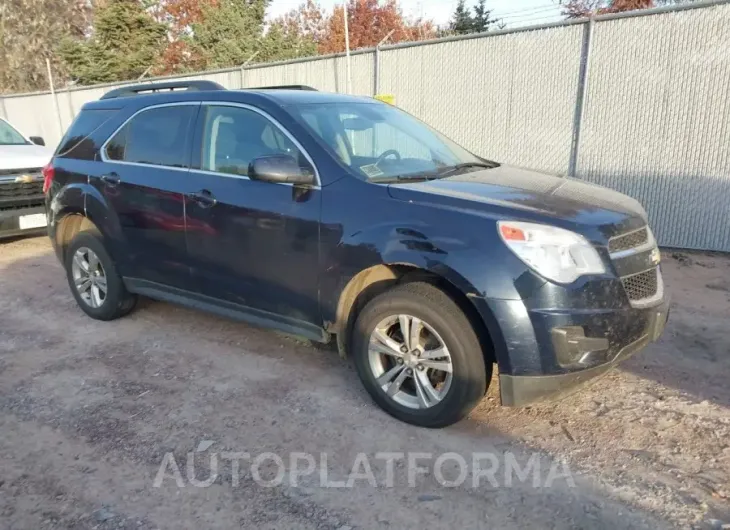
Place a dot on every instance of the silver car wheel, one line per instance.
(410, 361)
(89, 277)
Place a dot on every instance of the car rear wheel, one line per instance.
(94, 281)
(419, 357)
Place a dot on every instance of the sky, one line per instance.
(513, 12)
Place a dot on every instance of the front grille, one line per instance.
(36, 171)
(20, 190)
(628, 241)
(642, 285)
(22, 206)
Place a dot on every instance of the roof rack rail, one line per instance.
(283, 87)
(134, 90)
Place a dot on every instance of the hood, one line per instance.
(516, 188)
(25, 156)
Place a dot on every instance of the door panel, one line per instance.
(143, 179)
(251, 242)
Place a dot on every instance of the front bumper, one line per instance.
(10, 222)
(532, 363)
(517, 391)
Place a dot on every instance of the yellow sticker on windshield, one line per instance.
(386, 98)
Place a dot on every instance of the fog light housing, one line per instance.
(574, 349)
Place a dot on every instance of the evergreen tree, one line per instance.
(461, 22)
(482, 17)
(125, 42)
(229, 32)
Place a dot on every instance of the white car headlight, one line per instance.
(557, 254)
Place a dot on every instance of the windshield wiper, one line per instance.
(466, 165)
(402, 178)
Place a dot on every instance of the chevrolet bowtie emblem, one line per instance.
(24, 179)
(655, 256)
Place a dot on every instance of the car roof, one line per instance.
(304, 97)
(253, 96)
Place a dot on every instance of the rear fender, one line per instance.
(99, 211)
(85, 200)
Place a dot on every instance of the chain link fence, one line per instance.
(638, 102)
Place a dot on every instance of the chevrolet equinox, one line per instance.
(327, 215)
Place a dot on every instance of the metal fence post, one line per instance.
(55, 99)
(71, 111)
(376, 81)
(376, 72)
(580, 98)
(243, 68)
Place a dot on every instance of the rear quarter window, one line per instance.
(76, 142)
(156, 136)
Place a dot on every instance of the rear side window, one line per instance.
(157, 136)
(76, 142)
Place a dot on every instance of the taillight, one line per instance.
(48, 173)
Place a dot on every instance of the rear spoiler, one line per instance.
(136, 90)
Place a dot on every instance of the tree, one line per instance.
(125, 42)
(309, 19)
(281, 42)
(461, 21)
(368, 23)
(587, 8)
(228, 33)
(179, 16)
(482, 20)
(29, 31)
(231, 31)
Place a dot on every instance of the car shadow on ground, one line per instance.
(125, 393)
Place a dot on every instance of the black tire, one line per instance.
(118, 301)
(470, 376)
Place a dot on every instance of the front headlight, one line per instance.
(557, 254)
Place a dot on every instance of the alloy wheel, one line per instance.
(89, 277)
(410, 361)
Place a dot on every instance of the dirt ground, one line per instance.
(89, 411)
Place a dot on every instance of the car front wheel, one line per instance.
(419, 357)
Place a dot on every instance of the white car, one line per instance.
(22, 202)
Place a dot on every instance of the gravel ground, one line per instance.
(90, 412)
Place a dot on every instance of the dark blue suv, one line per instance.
(324, 214)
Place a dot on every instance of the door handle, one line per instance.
(203, 198)
(111, 180)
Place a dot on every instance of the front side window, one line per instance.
(157, 136)
(379, 141)
(9, 136)
(234, 136)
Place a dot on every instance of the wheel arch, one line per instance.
(71, 223)
(371, 282)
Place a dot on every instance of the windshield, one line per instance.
(9, 136)
(379, 142)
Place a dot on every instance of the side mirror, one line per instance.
(38, 140)
(279, 168)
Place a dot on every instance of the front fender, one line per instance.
(473, 264)
(451, 259)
